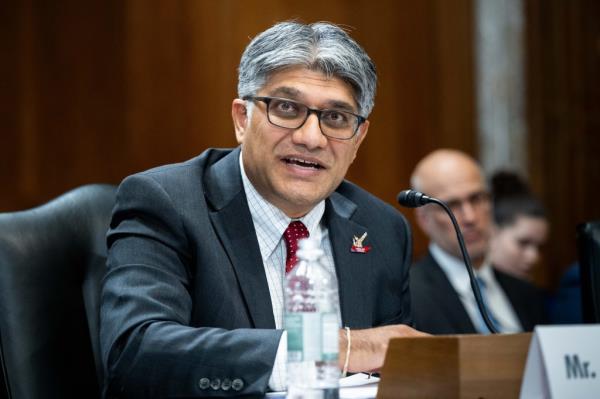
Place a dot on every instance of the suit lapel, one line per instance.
(232, 221)
(352, 268)
(447, 298)
(518, 303)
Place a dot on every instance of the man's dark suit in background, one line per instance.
(442, 299)
(437, 308)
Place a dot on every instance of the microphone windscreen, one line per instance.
(410, 198)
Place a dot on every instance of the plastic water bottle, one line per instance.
(311, 321)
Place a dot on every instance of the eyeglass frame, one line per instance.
(475, 200)
(267, 100)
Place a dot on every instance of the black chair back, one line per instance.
(52, 260)
(588, 242)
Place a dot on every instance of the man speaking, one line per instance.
(192, 302)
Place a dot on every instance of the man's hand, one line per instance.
(368, 347)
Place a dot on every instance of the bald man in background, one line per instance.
(443, 302)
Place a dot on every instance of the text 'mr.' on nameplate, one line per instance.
(563, 362)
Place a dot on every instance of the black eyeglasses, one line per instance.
(289, 114)
(476, 200)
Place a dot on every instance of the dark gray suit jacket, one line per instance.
(437, 308)
(186, 302)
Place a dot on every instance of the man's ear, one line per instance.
(360, 136)
(362, 132)
(239, 114)
(422, 218)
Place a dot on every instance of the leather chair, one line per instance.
(588, 243)
(52, 260)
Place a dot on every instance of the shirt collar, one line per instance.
(270, 222)
(456, 270)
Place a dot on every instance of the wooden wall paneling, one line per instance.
(160, 92)
(66, 101)
(455, 36)
(536, 100)
(17, 137)
(81, 93)
(402, 46)
(564, 105)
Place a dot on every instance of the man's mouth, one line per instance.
(303, 163)
(471, 236)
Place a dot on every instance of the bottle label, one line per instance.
(312, 336)
(330, 339)
(293, 325)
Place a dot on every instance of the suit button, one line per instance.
(226, 384)
(204, 383)
(215, 384)
(237, 384)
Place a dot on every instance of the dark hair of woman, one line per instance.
(512, 198)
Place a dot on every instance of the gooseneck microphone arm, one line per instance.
(415, 199)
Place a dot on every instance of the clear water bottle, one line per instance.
(311, 321)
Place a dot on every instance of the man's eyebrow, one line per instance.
(296, 95)
(467, 197)
(287, 92)
(340, 105)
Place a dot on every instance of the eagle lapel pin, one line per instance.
(357, 244)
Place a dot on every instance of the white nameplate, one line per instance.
(563, 362)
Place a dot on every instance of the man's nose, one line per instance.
(467, 212)
(532, 254)
(309, 134)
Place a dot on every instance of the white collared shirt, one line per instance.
(497, 301)
(269, 224)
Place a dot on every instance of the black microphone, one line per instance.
(413, 199)
(416, 199)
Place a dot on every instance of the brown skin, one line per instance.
(266, 152)
(369, 346)
(265, 147)
(454, 177)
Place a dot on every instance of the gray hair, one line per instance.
(320, 46)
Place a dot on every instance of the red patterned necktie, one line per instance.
(294, 232)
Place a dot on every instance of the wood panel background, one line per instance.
(563, 71)
(93, 91)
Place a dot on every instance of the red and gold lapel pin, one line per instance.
(357, 244)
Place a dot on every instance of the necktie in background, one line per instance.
(481, 327)
(294, 232)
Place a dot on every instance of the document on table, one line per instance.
(356, 386)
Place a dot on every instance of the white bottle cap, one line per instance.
(309, 248)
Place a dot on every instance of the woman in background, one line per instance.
(521, 227)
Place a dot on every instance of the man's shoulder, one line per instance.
(365, 200)
(513, 283)
(183, 173)
(207, 158)
(422, 268)
(426, 260)
(186, 181)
